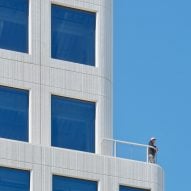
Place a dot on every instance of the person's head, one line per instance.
(153, 140)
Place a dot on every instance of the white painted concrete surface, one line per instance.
(43, 76)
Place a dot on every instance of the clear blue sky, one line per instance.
(152, 81)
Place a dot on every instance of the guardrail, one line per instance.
(124, 149)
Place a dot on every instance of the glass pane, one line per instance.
(14, 105)
(14, 180)
(73, 124)
(14, 25)
(125, 188)
(129, 151)
(72, 184)
(73, 35)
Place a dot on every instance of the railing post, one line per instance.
(147, 154)
(115, 148)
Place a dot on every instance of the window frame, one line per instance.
(134, 187)
(29, 171)
(97, 28)
(28, 111)
(95, 120)
(29, 34)
(76, 178)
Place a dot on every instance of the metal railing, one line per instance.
(124, 149)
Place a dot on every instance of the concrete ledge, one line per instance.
(79, 164)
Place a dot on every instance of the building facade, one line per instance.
(56, 100)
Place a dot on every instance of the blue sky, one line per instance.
(152, 77)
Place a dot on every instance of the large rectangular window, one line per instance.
(61, 183)
(73, 124)
(126, 188)
(14, 105)
(14, 25)
(73, 35)
(14, 179)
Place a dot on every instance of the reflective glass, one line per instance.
(126, 188)
(61, 183)
(73, 124)
(14, 25)
(14, 105)
(14, 180)
(73, 35)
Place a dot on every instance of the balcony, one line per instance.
(109, 168)
(126, 150)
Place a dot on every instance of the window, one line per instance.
(14, 113)
(14, 25)
(14, 179)
(125, 188)
(73, 124)
(73, 35)
(61, 183)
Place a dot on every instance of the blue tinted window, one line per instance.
(125, 188)
(73, 124)
(14, 25)
(14, 113)
(14, 180)
(73, 35)
(61, 183)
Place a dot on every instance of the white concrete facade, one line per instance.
(43, 76)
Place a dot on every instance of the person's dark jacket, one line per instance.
(152, 151)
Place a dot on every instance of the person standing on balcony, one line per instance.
(152, 150)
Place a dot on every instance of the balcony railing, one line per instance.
(127, 150)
